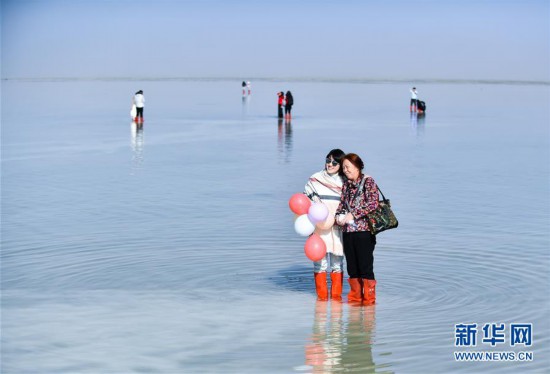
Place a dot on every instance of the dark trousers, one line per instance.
(139, 112)
(359, 252)
(280, 111)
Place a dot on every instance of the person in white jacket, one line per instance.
(139, 101)
(414, 99)
(326, 187)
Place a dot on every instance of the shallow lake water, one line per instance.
(171, 249)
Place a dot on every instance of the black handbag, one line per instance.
(382, 218)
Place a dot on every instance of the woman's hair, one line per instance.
(354, 159)
(336, 154)
(288, 93)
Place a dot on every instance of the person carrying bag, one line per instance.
(359, 199)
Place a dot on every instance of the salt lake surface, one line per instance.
(172, 249)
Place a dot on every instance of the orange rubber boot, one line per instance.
(355, 292)
(336, 285)
(321, 285)
(369, 297)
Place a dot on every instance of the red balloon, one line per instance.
(299, 203)
(315, 248)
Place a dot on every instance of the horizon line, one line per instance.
(287, 79)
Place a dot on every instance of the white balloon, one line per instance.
(303, 226)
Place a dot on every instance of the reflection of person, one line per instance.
(280, 104)
(359, 197)
(414, 99)
(326, 186)
(337, 345)
(325, 347)
(139, 101)
(137, 145)
(356, 353)
(288, 104)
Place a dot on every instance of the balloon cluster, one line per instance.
(310, 215)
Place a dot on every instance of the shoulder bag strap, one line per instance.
(379, 190)
(381, 193)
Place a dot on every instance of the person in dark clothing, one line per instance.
(288, 104)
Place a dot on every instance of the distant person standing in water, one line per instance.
(139, 101)
(280, 104)
(289, 102)
(244, 88)
(414, 99)
(249, 87)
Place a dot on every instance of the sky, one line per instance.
(351, 39)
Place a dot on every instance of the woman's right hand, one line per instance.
(340, 219)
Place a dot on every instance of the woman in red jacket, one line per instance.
(280, 104)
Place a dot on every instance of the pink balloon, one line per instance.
(315, 248)
(299, 203)
(317, 212)
(327, 223)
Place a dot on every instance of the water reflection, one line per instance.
(357, 352)
(417, 123)
(136, 142)
(245, 105)
(337, 345)
(284, 138)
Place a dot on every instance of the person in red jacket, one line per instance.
(280, 104)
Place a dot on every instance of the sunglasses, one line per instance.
(334, 163)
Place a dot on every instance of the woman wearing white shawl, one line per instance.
(326, 186)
